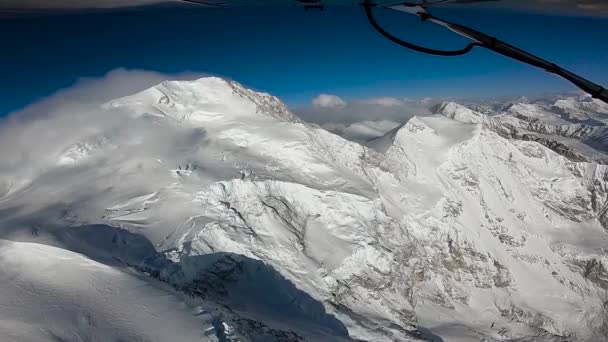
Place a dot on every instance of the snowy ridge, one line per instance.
(458, 112)
(577, 141)
(251, 225)
(90, 301)
(583, 108)
(203, 99)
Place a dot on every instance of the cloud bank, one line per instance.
(362, 131)
(363, 119)
(44, 130)
(328, 102)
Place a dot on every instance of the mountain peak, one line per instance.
(458, 112)
(202, 99)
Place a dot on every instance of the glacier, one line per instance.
(203, 210)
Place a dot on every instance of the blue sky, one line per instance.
(295, 54)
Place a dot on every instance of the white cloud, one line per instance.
(385, 101)
(362, 131)
(43, 130)
(328, 101)
(365, 118)
(332, 109)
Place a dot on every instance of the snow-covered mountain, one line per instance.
(204, 210)
(544, 124)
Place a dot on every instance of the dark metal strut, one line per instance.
(482, 40)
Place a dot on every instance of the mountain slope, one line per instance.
(51, 294)
(281, 231)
